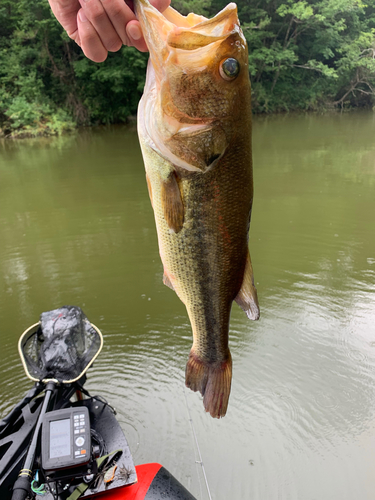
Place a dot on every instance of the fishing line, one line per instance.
(200, 461)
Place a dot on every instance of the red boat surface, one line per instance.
(153, 481)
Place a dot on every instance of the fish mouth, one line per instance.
(182, 46)
(171, 30)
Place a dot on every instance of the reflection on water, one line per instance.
(76, 227)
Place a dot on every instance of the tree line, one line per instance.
(303, 55)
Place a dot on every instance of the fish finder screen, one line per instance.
(59, 432)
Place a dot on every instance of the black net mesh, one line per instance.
(62, 346)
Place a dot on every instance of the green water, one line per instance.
(76, 227)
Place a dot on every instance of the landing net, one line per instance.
(61, 346)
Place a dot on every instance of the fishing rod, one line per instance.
(22, 486)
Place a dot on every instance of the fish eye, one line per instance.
(229, 69)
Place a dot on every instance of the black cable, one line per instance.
(99, 439)
(101, 399)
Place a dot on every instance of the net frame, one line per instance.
(32, 330)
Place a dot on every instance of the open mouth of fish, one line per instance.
(184, 44)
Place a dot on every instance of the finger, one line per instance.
(65, 12)
(91, 43)
(97, 16)
(161, 5)
(75, 36)
(134, 33)
(119, 15)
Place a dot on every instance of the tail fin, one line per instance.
(212, 380)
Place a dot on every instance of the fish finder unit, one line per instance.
(66, 443)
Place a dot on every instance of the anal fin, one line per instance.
(247, 297)
(167, 281)
(172, 203)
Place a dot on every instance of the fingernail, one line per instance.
(82, 16)
(134, 31)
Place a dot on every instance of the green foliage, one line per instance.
(47, 86)
(32, 119)
(303, 55)
(111, 91)
(310, 54)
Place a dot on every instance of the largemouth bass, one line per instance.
(194, 125)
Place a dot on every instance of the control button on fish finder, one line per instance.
(80, 440)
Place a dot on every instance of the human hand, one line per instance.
(101, 26)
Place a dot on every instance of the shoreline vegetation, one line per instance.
(307, 55)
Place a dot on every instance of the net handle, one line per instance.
(30, 331)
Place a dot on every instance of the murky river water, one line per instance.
(76, 227)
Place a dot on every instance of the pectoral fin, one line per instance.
(247, 297)
(172, 203)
